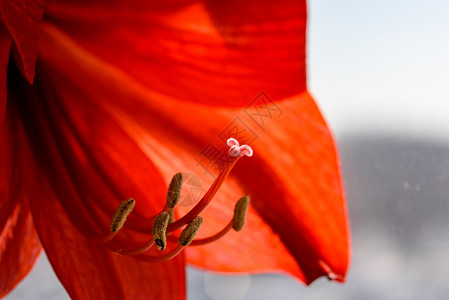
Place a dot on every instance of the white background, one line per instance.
(382, 65)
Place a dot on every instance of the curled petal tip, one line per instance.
(330, 274)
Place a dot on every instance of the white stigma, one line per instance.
(236, 150)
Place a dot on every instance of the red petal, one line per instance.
(297, 191)
(19, 248)
(92, 163)
(89, 271)
(86, 269)
(295, 161)
(22, 18)
(19, 244)
(213, 52)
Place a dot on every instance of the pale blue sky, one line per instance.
(381, 65)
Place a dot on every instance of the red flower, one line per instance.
(128, 93)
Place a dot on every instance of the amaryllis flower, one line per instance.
(102, 101)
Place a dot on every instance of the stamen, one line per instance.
(235, 152)
(173, 195)
(201, 205)
(186, 237)
(159, 230)
(159, 237)
(121, 213)
(164, 257)
(105, 238)
(240, 213)
(117, 220)
(164, 222)
(171, 212)
(212, 238)
(174, 191)
(189, 233)
(137, 250)
(237, 223)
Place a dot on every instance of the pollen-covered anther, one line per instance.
(174, 190)
(189, 233)
(122, 211)
(159, 230)
(237, 222)
(240, 213)
(236, 150)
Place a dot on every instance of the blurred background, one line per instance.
(379, 71)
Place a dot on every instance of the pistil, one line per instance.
(234, 154)
(206, 199)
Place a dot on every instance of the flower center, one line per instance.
(164, 223)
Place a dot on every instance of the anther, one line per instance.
(159, 230)
(240, 213)
(189, 233)
(236, 223)
(122, 211)
(174, 191)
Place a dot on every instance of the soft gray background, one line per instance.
(379, 71)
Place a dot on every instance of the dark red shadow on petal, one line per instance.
(5, 45)
(22, 18)
(92, 164)
(19, 244)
